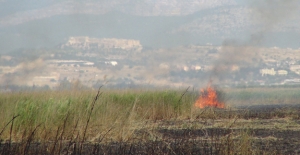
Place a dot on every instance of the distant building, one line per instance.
(71, 63)
(186, 68)
(267, 72)
(295, 69)
(114, 63)
(89, 63)
(291, 81)
(282, 72)
(84, 42)
(197, 67)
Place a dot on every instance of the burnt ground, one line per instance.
(281, 142)
(256, 130)
(181, 141)
(274, 129)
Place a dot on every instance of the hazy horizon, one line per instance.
(170, 41)
(157, 24)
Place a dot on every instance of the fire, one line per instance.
(209, 98)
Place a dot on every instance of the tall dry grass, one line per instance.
(113, 110)
(74, 117)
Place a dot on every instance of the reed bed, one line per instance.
(60, 122)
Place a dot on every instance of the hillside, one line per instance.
(154, 23)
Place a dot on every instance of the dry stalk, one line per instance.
(10, 133)
(63, 130)
(30, 139)
(73, 132)
(55, 141)
(89, 117)
(105, 134)
(183, 94)
(14, 117)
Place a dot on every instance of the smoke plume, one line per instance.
(24, 72)
(266, 15)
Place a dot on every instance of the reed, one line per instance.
(65, 121)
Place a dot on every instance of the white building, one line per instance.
(267, 72)
(114, 63)
(196, 67)
(295, 68)
(282, 72)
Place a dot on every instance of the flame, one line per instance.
(209, 98)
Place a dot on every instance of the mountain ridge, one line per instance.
(210, 25)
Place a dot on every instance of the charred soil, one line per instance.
(242, 134)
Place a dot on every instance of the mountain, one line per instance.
(155, 23)
(15, 12)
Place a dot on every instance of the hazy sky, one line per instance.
(156, 23)
(239, 27)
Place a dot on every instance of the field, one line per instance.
(134, 121)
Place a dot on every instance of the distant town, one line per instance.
(89, 62)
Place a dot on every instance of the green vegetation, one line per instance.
(152, 118)
(50, 108)
(263, 96)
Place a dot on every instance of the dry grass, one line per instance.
(113, 109)
(73, 121)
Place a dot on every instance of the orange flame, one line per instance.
(209, 98)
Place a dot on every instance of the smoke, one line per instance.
(269, 13)
(24, 72)
(234, 54)
(266, 14)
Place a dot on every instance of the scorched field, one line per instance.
(133, 121)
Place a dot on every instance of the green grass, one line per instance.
(111, 109)
(262, 96)
(50, 108)
(118, 114)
